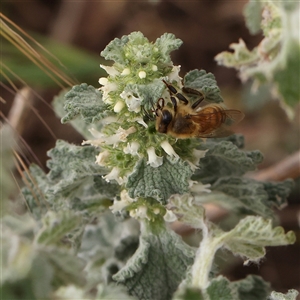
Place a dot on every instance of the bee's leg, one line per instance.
(174, 92)
(197, 103)
(194, 92)
(182, 98)
(191, 91)
(174, 102)
(170, 87)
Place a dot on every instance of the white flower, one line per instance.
(110, 70)
(121, 204)
(169, 149)
(119, 106)
(132, 148)
(123, 133)
(154, 68)
(133, 103)
(114, 174)
(101, 138)
(198, 187)
(154, 160)
(139, 213)
(125, 72)
(156, 211)
(142, 74)
(140, 121)
(107, 88)
(100, 159)
(103, 80)
(174, 76)
(108, 120)
(198, 154)
(170, 216)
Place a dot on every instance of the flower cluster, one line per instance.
(131, 90)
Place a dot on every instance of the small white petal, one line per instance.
(154, 160)
(123, 133)
(110, 70)
(139, 213)
(125, 72)
(132, 148)
(141, 121)
(199, 154)
(198, 187)
(106, 89)
(119, 106)
(121, 204)
(154, 68)
(133, 103)
(103, 80)
(170, 216)
(169, 149)
(156, 211)
(142, 74)
(174, 76)
(114, 175)
(100, 159)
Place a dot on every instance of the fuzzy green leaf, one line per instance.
(251, 288)
(35, 190)
(56, 226)
(73, 169)
(74, 182)
(188, 293)
(158, 247)
(252, 234)
(252, 13)
(188, 209)
(37, 266)
(220, 288)
(276, 59)
(102, 243)
(136, 49)
(225, 159)
(68, 267)
(204, 82)
(86, 101)
(114, 50)
(241, 57)
(78, 124)
(251, 195)
(161, 182)
(166, 44)
(112, 292)
(146, 93)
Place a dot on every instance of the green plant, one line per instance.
(97, 230)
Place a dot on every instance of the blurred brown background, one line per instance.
(206, 28)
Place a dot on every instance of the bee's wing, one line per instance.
(215, 122)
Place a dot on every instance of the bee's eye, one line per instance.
(166, 118)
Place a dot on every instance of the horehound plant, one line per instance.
(98, 222)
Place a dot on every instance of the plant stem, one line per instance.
(204, 260)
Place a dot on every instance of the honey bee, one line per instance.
(184, 119)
